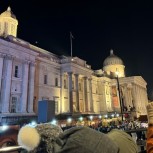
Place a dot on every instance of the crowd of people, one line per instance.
(49, 138)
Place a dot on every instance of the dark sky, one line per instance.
(97, 25)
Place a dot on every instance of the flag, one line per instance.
(71, 37)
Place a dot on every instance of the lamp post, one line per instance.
(118, 87)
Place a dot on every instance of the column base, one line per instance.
(76, 112)
(31, 112)
(22, 112)
(5, 112)
(89, 112)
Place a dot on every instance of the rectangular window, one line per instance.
(56, 82)
(56, 99)
(45, 79)
(16, 71)
(13, 105)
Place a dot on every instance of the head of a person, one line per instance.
(48, 138)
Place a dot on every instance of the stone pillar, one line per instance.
(90, 94)
(77, 91)
(70, 93)
(31, 87)
(61, 93)
(24, 87)
(6, 84)
(130, 96)
(85, 94)
(145, 100)
(1, 72)
(134, 95)
(1, 68)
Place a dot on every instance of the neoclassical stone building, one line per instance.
(29, 74)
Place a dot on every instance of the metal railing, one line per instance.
(11, 149)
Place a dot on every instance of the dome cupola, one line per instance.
(113, 64)
(8, 23)
(8, 13)
(112, 59)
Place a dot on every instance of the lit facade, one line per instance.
(29, 74)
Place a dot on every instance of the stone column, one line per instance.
(1, 68)
(85, 94)
(70, 93)
(1, 72)
(24, 87)
(77, 91)
(61, 93)
(140, 97)
(145, 100)
(129, 94)
(134, 96)
(90, 94)
(31, 87)
(6, 84)
(142, 100)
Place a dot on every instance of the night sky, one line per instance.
(97, 25)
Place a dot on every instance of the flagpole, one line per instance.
(71, 42)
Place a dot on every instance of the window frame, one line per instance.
(16, 71)
(45, 79)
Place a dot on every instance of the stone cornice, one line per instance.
(32, 63)
(7, 45)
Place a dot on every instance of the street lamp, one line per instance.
(120, 99)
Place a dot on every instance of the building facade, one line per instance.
(29, 74)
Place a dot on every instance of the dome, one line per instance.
(112, 60)
(8, 13)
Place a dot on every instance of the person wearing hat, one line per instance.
(48, 138)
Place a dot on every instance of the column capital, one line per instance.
(90, 79)
(32, 63)
(9, 57)
(62, 74)
(129, 86)
(85, 77)
(69, 73)
(2, 55)
(76, 74)
(26, 62)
